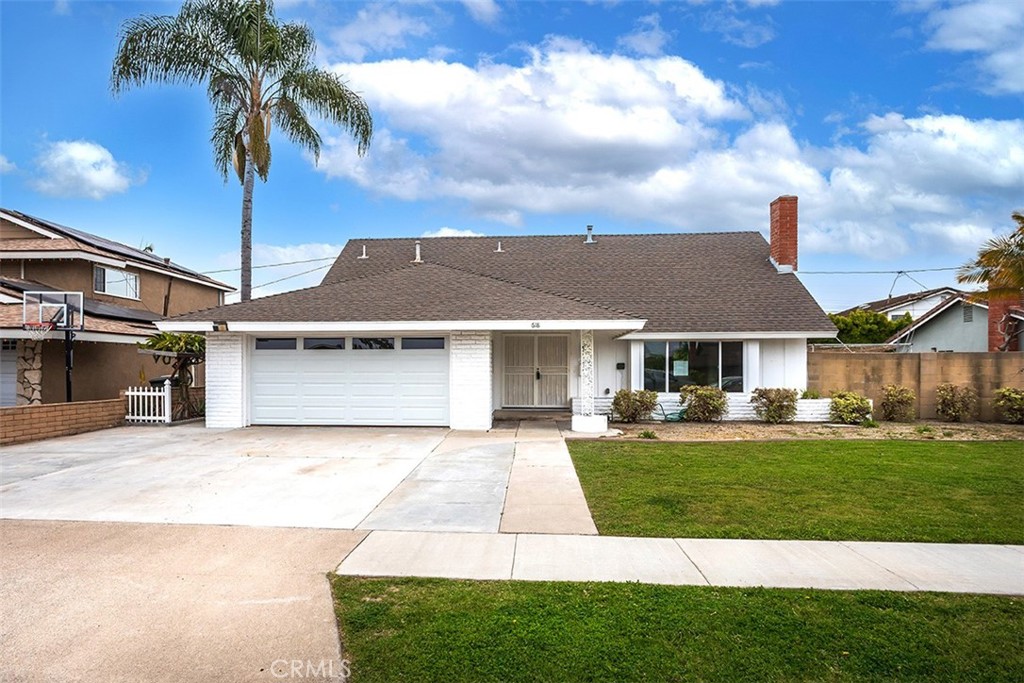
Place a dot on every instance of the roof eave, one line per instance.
(399, 325)
(716, 336)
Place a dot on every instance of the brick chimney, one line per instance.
(784, 233)
(999, 322)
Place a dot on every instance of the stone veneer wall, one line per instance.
(29, 389)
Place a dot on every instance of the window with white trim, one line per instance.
(671, 365)
(115, 282)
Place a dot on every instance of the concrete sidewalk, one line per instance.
(955, 568)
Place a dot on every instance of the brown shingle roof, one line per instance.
(710, 282)
(411, 292)
(882, 305)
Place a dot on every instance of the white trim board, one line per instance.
(28, 226)
(403, 326)
(100, 337)
(724, 336)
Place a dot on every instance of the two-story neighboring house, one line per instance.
(125, 290)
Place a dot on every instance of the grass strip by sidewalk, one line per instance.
(443, 630)
(962, 492)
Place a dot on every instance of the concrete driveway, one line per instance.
(329, 478)
(176, 603)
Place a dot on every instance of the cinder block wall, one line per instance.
(31, 423)
(867, 373)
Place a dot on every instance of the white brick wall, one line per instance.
(470, 381)
(226, 380)
(740, 408)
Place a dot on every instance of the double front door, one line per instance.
(536, 371)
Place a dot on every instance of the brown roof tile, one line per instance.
(411, 292)
(710, 282)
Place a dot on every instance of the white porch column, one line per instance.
(587, 421)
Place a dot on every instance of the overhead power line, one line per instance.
(271, 265)
(289, 277)
(903, 271)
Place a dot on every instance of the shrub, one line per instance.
(848, 407)
(811, 393)
(869, 424)
(898, 403)
(703, 404)
(1010, 404)
(955, 403)
(647, 434)
(774, 405)
(633, 406)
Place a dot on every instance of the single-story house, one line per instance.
(914, 303)
(446, 330)
(963, 323)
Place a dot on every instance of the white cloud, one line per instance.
(376, 29)
(79, 168)
(647, 38)
(483, 11)
(452, 232)
(314, 258)
(742, 32)
(6, 166)
(654, 140)
(991, 29)
(62, 7)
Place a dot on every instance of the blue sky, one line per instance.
(899, 125)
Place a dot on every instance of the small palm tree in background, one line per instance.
(999, 264)
(257, 72)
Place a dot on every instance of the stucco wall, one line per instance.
(867, 373)
(77, 276)
(949, 332)
(101, 370)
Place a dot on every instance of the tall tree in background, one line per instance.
(999, 264)
(257, 71)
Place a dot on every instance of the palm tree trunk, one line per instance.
(247, 230)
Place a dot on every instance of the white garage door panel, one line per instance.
(350, 387)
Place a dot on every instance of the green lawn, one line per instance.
(955, 492)
(439, 630)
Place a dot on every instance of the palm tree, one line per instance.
(257, 71)
(999, 264)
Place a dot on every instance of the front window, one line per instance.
(669, 366)
(115, 282)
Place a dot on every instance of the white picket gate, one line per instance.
(149, 404)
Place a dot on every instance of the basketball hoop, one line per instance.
(37, 331)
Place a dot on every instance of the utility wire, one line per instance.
(875, 272)
(289, 277)
(271, 265)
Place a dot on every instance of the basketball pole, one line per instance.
(69, 338)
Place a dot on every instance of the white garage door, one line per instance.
(350, 381)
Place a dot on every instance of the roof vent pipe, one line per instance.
(363, 255)
(590, 234)
(417, 259)
(499, 250)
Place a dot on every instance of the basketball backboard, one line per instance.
(62, 310)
